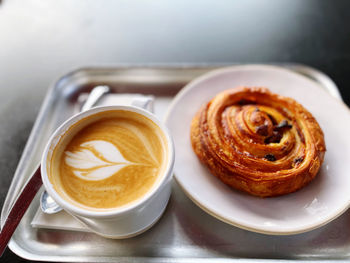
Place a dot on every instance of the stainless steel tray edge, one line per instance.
(24, 167)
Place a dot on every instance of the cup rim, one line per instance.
(75, 210)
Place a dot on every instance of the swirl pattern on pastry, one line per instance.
(258, 142)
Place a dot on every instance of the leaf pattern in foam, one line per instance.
(100, 173)
(138, 133)
(85, 160)
(107, 150)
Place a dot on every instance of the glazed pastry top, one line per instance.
(257, 141)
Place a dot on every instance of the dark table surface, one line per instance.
(42, 40)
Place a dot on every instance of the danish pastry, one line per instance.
(258, 142)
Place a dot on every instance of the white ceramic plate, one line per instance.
(325, 198)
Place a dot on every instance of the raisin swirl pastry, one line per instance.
(258, 142)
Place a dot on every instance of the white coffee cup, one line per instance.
(126, 221)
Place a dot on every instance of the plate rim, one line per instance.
(277, 232)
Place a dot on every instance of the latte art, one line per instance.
(111, 161)
(89, 166)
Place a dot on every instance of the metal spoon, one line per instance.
(47, 204)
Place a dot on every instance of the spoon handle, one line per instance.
(94, 96)
(19, 208)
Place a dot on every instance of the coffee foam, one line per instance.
(108, 160)
(90, 166)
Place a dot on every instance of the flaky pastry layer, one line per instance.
(257, 141)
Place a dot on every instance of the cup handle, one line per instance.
(144, 102)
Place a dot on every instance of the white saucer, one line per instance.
(324, 199)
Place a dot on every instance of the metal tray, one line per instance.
(185, 233)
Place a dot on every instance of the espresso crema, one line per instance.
(108, 160)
